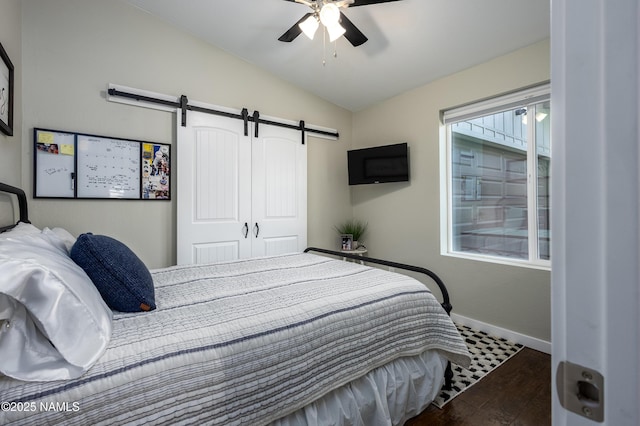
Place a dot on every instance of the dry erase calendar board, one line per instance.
(78, 165)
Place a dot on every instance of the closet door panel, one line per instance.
(216, 171)
(215, 252)
(279, 202)
(214, 190)
(280, 245)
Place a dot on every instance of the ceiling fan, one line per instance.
(329, 14)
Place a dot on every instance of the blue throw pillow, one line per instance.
(121, 277)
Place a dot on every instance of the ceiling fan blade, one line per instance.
(305, 2)
(368, 2)
(353, 34)
(294, 31)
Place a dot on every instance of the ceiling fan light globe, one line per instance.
(309, 26)
(329, 15)
(335, 31)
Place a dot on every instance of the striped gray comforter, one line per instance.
(243, 342)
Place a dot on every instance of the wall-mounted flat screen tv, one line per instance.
(388, 163)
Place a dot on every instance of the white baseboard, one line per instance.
(512, 336)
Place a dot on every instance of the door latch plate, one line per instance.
(581, 390)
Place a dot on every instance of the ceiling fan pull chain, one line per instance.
(324, 47)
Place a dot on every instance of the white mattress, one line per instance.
(246, 342)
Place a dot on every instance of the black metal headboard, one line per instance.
(22, 203)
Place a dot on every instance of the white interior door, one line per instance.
(279, 188)
(213, 189)
(595, 212)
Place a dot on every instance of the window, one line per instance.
(498, 155)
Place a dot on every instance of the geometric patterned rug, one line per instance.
(488, 353)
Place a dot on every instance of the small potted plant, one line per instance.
(354, 227)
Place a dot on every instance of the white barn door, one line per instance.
(213, 189)
(279, 191)
(238, 196)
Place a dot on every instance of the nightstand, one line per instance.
(359, 252)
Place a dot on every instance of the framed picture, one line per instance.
(346, 241)
(6, 93)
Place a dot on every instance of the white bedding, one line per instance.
(244, 342)
(54, 325)
(388, 395)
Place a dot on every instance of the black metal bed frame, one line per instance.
(446, 304)
(22, 204)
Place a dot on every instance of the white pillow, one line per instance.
(20, 229)
(63, 236)
(55, 325)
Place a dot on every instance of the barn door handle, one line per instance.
(257, 229)
(246, 229)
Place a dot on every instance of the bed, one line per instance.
(296, 339)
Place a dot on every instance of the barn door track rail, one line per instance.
(164, 102)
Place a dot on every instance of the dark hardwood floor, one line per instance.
(516, 393)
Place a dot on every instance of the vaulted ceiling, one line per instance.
(411, 42)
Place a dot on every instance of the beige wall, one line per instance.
(73, 48)
(10, 37)
(404, 218)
